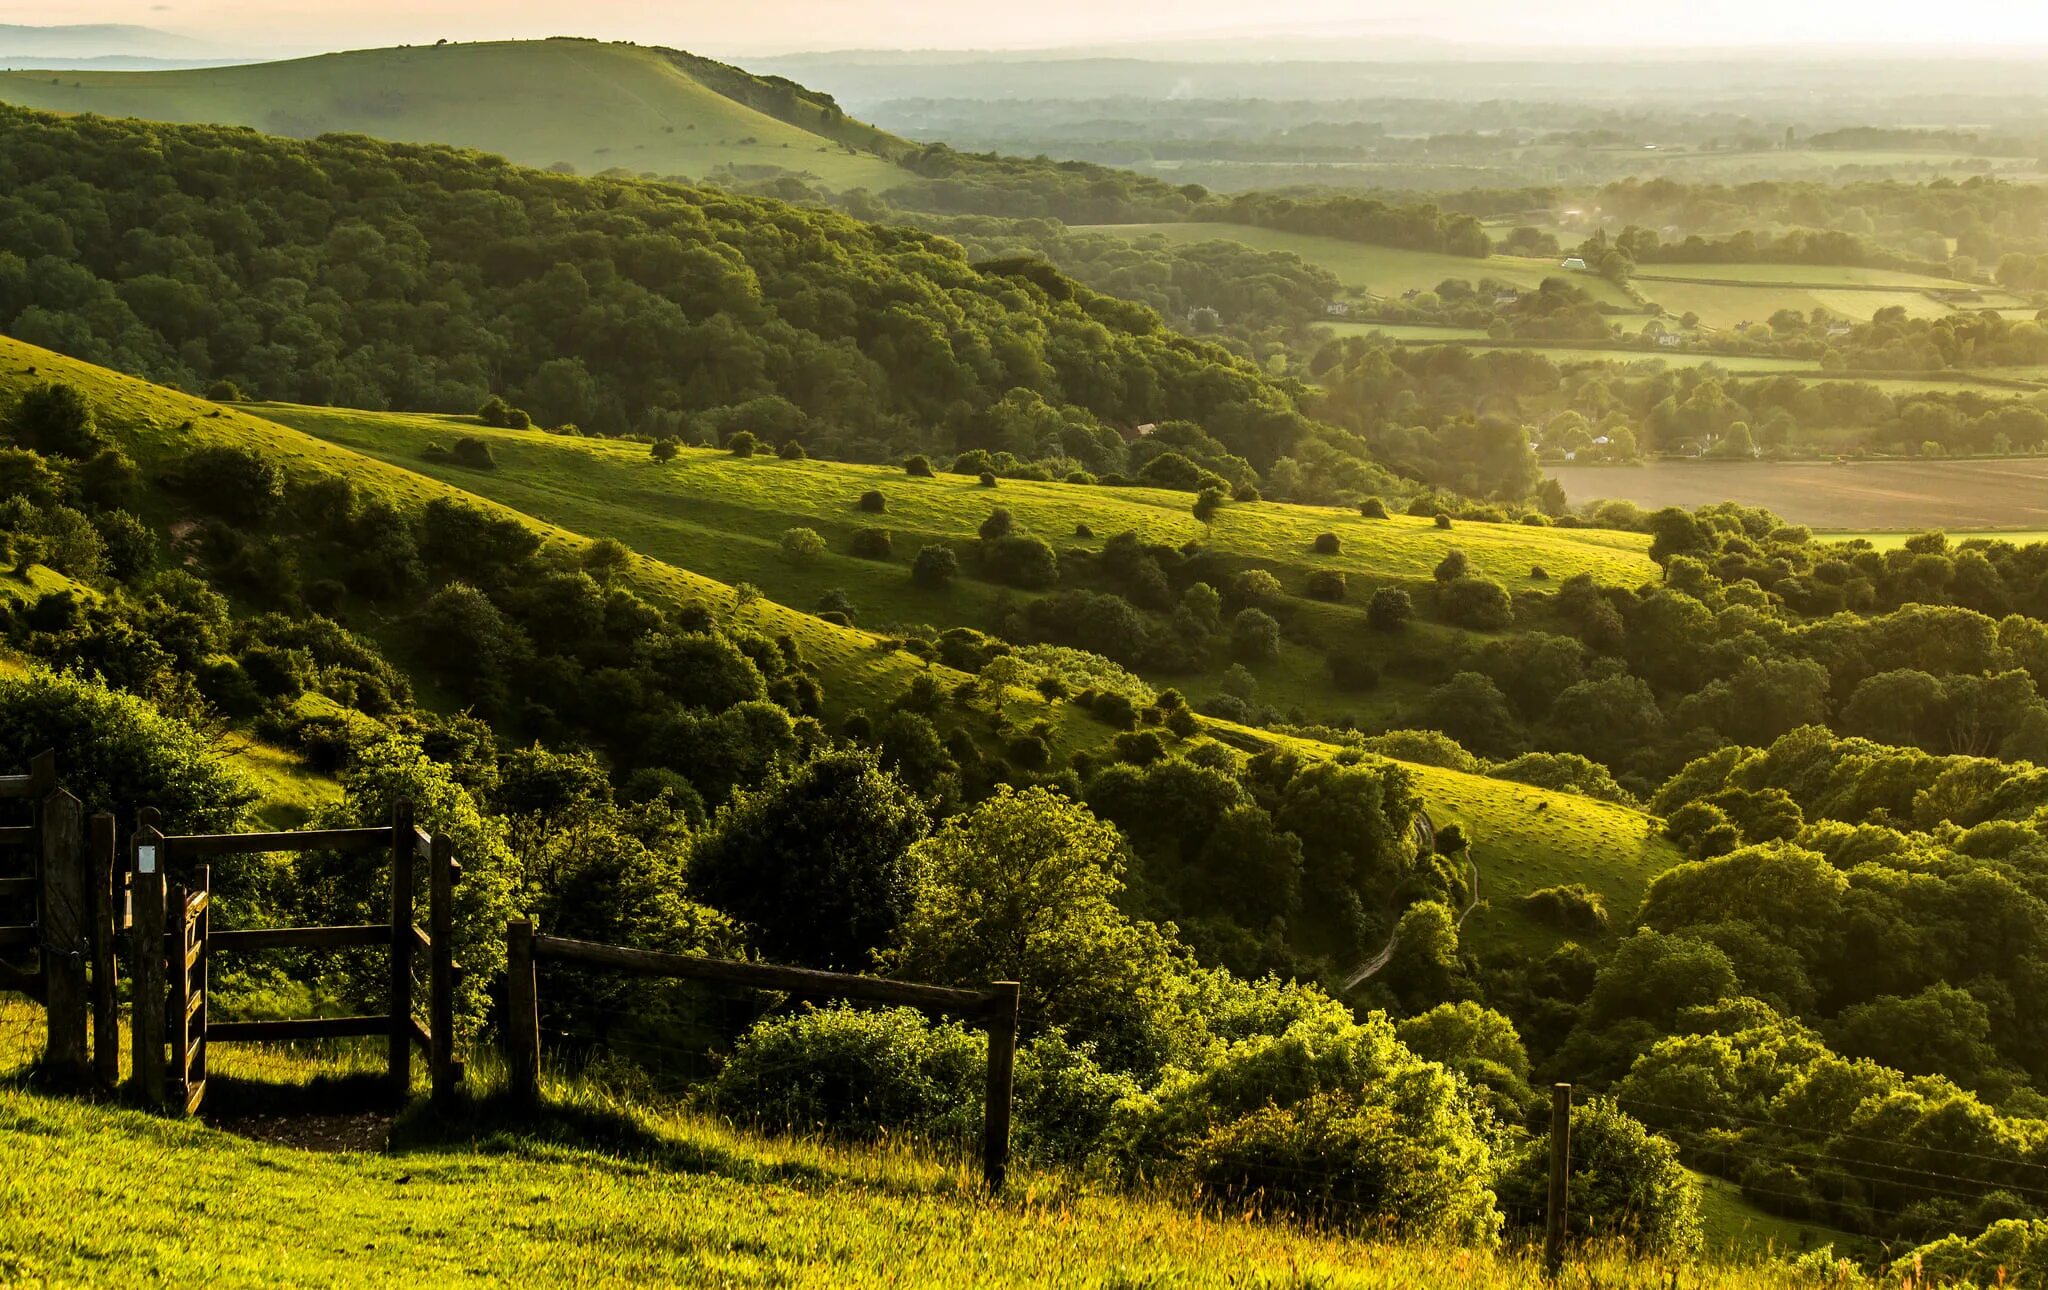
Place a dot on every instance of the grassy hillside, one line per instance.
(693, 544)
(644, 1200)
(592, 106)
(724, 516)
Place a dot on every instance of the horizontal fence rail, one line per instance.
(994, 1008)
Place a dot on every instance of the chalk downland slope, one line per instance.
(1528, 838)
(580, 103)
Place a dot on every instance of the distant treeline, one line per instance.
(1421, 227)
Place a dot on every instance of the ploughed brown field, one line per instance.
(2004, 493)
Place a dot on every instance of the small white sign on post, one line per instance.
(145, 859)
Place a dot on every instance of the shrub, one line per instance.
(1171, 470)
(1443, 521)
(1254, 637)
(1539, 573)
(663, 450)
(1455, 564)
(1626, 1184)
(1373, 508)
(802, 545)
(1028, 752)
(1326, 584)
(473, 452)
(987, 480)
(1025, 562)
(1574, 907)
(742, 443)
(999, 524)
(1390, 610)
(1478, 603)
(1328, 544)
(1078, 477)
(503, 416)
(1139, 747)
(872, 544)
(873, 502)
(1256, 587)
(919, 466)
(1083, 531)
(233, 483)
(1114, 709)
(815, 862)
(1207, 503)
(55, 419)
(935, 566)
(791, 451)
(975, 461)
(855, 1073)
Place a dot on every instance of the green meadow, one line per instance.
(580, 103)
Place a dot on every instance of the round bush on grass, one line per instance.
(873, 502)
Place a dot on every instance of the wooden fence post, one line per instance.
(146, 963)
(522, 1013)
(441, 973)
(66, 938)
(106, 1015)
(404, 845)
(178, 1009)
(1560, 1174)
(1002, 1063)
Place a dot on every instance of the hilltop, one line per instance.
(576, 104)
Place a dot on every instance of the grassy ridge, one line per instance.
(84, 1200)
(575, 490)
(593, 106)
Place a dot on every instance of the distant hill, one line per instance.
(98, 40)
(578, 104)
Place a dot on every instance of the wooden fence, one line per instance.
(995, 1008)
(177, 973)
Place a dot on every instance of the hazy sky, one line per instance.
(772, 26)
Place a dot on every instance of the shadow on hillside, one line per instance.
(499, 1124)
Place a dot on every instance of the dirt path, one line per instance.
(1373, 966)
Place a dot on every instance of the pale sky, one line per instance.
(776, 26)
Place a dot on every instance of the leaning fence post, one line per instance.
(1002, 1063)
(441, 973)
(1560, 1172)
(66, 938)
(146, 963)
(522, 1013)
(403, 846)
(106, 1015)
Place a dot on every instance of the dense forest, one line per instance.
(342, 271)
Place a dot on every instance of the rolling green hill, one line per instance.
(591, 106)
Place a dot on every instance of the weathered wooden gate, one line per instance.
(21, 937)
(178, 918)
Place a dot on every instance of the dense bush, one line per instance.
(742, 443)
(855, 1073)
(55, 419)
(1327, 544)
(1479, 603)
(1254, 637)
(873, 502)
(935, 566)
(1574, 907)
(815, 861)
(1326, 584)
(872, 544)
(918, 466)
(802, 545)
(1390, 610)
(1025, 562)
(1626, 1184)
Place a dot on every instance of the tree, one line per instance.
(1254, 637)
(55, 419)
(1626, 1184)
(742, 443)
(999, 524)
(802, 545)
(935, 566)
(817, 863)
(1390, 610)
(234, 483)
(1453, 566)
(1479, 603)
(1471, 710)
(1023, 887)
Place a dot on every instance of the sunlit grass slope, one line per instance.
(593, 106)
(716, 513)
(1528, 837)
(97, 1195)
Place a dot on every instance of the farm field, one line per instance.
(1418, 333)
(1728, 306)
(1799, 274)
(1383, 270)
(614, 489)
(1907, 496)
(592, 106)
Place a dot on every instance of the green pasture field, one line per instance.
(1421, 333)
(1727, 306)
(592, 106)
(1383, 270)
(1810, 275)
